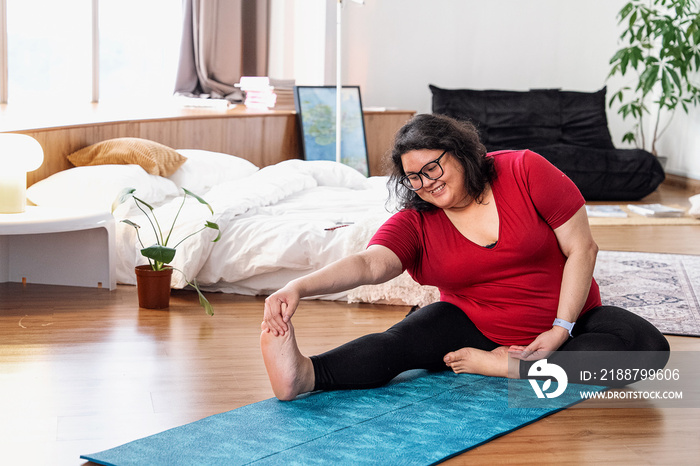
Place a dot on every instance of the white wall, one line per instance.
(682, 144)
(394, 48)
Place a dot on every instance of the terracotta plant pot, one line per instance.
(153, 287)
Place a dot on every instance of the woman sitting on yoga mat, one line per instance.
(505, 238)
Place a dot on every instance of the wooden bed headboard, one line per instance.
(264, 137)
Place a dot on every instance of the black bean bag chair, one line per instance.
(570, 129)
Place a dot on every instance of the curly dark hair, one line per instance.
(439, 132)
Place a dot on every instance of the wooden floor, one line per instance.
(82, 370)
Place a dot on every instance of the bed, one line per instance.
(277, 222)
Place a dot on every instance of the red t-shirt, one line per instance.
(511, 291)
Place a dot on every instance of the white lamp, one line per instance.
(19, 154)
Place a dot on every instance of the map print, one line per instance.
(318, 124)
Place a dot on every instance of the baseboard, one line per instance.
(689, 184)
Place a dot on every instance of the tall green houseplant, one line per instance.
(662, 48)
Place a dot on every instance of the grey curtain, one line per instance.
(222, 40)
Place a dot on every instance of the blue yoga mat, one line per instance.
(419, 418)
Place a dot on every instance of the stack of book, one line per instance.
(258, 91)
(284, 90)
(655, 210)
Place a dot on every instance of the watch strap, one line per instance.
(569, 326)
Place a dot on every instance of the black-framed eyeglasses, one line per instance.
(431, 170)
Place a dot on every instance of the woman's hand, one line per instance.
(545, 344)
(376, 264)
(279, 308)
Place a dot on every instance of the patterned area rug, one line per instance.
(662, 288)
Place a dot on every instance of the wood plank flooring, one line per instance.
(83, 370)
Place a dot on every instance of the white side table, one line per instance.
(58, 247)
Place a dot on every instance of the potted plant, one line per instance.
(663, 49)
(153, 280)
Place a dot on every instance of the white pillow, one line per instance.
(204, 169)
(96, 187)
(328, 172)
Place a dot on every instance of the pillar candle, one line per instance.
(13, 191)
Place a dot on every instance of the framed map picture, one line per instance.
(315, 106)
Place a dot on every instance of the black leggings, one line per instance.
(424, 337)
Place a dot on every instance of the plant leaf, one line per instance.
(675, 77)
(626, 11)
(214, 226)
(623, 63)
(666, 86)
(204, 302)
(129, 222)
(122, 197)
(629, 137)
(618, 55)
(637, 56)
(648, 78)
(159, 253)
(150, 207)
(202, 201)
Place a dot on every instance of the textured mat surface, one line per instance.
(419, 418)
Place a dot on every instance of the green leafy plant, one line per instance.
(662, 40)
(160, 254)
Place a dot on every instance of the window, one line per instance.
(50, 49)
(139, 48)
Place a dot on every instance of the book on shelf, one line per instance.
(605, 211)
(265, 92)
(258, 92)
(655, 210)
(284, 90)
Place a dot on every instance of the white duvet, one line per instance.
(277, 224)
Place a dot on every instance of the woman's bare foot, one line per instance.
(495, 363)
(290, 372)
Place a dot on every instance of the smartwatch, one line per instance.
(569, 326)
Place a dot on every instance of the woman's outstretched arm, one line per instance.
(376, 264)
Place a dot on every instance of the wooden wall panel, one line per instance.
(380, 128)
(264, 138)
(56, 148)
(246, 138)
(205, 134)
(110, 131)
(281, 140)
